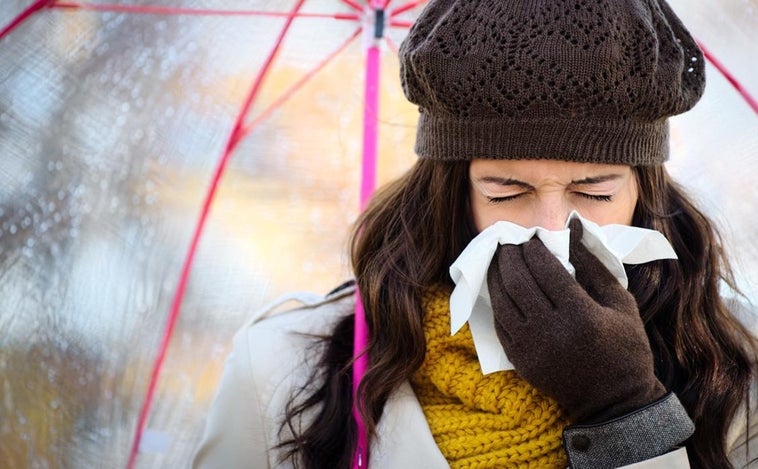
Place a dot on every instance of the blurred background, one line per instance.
(111, 126)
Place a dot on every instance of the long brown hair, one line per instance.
(703, 353)
(418, 225)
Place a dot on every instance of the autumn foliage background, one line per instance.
(111, 125)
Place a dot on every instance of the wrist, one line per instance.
(657, 428)
(623, 404)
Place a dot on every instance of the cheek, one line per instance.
(629, 203)
(612, 214)
(486, 214)
(618, 212)
(479, 214)
(483, 212)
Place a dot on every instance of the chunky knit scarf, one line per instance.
(481, 421)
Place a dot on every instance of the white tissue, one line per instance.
(613, 245)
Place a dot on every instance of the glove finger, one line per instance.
(599, 283)
(576, 232)
(553, 280)
(503, 308)
(503, 324)
(504, 312)
(518, 283)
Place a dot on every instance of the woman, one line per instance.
(529, 110)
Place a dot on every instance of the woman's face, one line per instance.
(544, 192)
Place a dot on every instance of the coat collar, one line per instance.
(404, 437)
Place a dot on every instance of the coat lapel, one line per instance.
(404, 436)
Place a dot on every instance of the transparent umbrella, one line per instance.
(117, 123)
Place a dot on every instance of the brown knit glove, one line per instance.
(580, 341)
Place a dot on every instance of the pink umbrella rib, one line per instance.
(392, 45)
(405, 7)
(401, 23)
(29, 11)
(234, 138)
(749, 99)
(352, 5)
(156, 10)
(294, 88)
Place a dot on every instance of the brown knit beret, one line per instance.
(576, 80)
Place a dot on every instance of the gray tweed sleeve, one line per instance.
(643, 434)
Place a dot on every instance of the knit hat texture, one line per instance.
(576, 80)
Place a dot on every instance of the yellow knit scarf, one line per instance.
(481, 421)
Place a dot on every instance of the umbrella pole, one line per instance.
(370, 139)
(368, 183)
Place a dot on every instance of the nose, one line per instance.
(551, 214)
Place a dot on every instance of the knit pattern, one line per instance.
(481, 421)
(577, 80)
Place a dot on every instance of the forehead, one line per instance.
(526, 170)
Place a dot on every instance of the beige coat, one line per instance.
(266, 364)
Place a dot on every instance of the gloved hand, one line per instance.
(580, 341)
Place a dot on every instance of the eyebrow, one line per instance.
(597, 179)
(505, 181)
(579, 182)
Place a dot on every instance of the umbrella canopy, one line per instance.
(115, 121)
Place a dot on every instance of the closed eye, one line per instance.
(496, 200)
(599, 198)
